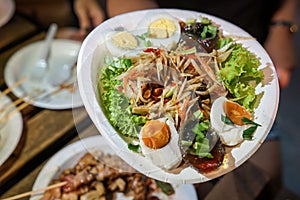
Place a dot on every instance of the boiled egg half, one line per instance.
(159, 142)
(161, 29)
(230, 135)
(119, 43)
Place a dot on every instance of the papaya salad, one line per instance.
(180, 92)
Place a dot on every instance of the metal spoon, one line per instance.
(41, 67)
(63, 73)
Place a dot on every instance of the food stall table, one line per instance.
(44, 131)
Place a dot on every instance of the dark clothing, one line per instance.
(251, 15)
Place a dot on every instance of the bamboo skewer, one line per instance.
(8, 113)
(25, 104)
(18, 109)
(15, 103)
(35, 192)
(8, 90)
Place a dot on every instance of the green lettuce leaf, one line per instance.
(240, 75)
(118, 109)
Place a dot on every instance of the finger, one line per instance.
(84, 21)
(97, 16)
(97, 19)
(83, 17)
(284, 76)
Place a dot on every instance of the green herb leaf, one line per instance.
(200, 145)
(204, 20)
(212, 30)
(205, 154)
(186, 144)
(224, 41)
(203, 33)
(198, 114)
(190, 21)
(249, 121)
(226, 120)
(147, 43)
(200, 127)
(133, 147)
(248, 133)
(144, 36)
(202, 148)
(167, 188)
(139, 120)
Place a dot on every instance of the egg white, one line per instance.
(230, 135)
(167, 43)
(167, 157)
(116, 50)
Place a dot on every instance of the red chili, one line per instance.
(148, 50)
(120, 88)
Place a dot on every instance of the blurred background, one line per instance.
(289, 117)
(289, 109)
(44, 12)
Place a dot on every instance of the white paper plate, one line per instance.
(91, 56)
(69, 156)
(7, 9)
(62, 51)
(11, 132)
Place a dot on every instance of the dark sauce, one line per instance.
(191, 33)
(206, 165)
(202, 164)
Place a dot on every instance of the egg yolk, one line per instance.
(156, 134)
(235, 112)
(124, 40)
(162, 28)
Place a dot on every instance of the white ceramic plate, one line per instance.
(62, 52)
(11, 131)
(69, 156)
(91, 57)
(7, 9)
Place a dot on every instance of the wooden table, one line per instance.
(21, 28)
(47, 131)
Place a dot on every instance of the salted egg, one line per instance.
(159, 142)
(230, 135)
(161, 29)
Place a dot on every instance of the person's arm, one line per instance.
(115, 7)
(279, 43)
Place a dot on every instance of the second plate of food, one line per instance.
(104, 174)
